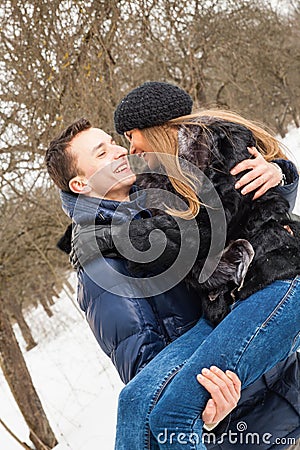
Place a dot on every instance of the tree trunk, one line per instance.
(16, 312)
(19, 380)
(45, 305)
(69, 286)
(50, 297)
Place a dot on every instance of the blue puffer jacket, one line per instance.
(130, 329)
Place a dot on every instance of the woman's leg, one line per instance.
(140, 395)
(259, 332)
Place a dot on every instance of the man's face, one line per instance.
(104, 163)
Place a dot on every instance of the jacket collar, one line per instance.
(82, 209)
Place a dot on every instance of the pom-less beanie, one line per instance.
(152, 103)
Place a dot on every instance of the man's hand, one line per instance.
(262, 177)
(225, 391)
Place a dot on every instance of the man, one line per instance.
(131, 330)
(96, 186)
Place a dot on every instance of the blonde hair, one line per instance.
(163, 140)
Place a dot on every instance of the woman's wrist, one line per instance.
(282, 180)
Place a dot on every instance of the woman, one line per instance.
(262, 327)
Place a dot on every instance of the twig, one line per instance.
(14, 436)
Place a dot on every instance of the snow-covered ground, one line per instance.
(76, 382)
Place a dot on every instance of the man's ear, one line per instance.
(79, 185)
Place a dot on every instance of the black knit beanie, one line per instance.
(152, 103)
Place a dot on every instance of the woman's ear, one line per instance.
(79, 185)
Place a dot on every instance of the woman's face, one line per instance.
(139, 146)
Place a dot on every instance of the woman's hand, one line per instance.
(263, 176)
(225, 391)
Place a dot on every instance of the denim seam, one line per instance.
(286, 296)
(155, 398)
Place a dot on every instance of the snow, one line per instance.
(292, 143)
(77, 383)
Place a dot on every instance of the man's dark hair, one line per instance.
(62, 164)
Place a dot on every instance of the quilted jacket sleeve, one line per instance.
(126, 328)
(289, 190)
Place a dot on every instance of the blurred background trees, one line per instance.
(62, 60)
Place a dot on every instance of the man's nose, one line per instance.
(120, 151)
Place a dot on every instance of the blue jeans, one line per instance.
(161, 407)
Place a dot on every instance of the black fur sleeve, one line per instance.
(90, 241)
